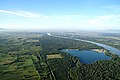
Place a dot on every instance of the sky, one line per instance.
(60, 14)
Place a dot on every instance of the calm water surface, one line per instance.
(86, 56)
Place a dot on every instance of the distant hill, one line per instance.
(112, 31)
(2, 29)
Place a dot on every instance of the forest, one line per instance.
(24, 56)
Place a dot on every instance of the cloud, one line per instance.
(109, 17)
(104, 21)
(35, 20)
(113, 7)
(21, 13)
(52, 18)
(26, 14)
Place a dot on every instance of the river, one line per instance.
(111, 49)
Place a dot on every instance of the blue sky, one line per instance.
(60, 14)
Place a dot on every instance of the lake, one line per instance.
(87, 56)
(110, 48)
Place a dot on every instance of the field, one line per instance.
(30, 56)
(52, 56)
(16, 59)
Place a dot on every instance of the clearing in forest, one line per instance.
(52, 56)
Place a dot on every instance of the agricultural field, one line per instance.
(52, 56)
(26, 57)
(16, 59)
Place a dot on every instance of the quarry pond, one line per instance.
(87, 56)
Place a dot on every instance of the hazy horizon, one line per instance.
(60, 30)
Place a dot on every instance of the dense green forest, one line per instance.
(24, 56)
(51, 44)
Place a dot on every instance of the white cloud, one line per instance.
(21, 13)
(26, 14)
(112, 7)
(60, 21)
(105, 21)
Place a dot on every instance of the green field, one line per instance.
(27, 56)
